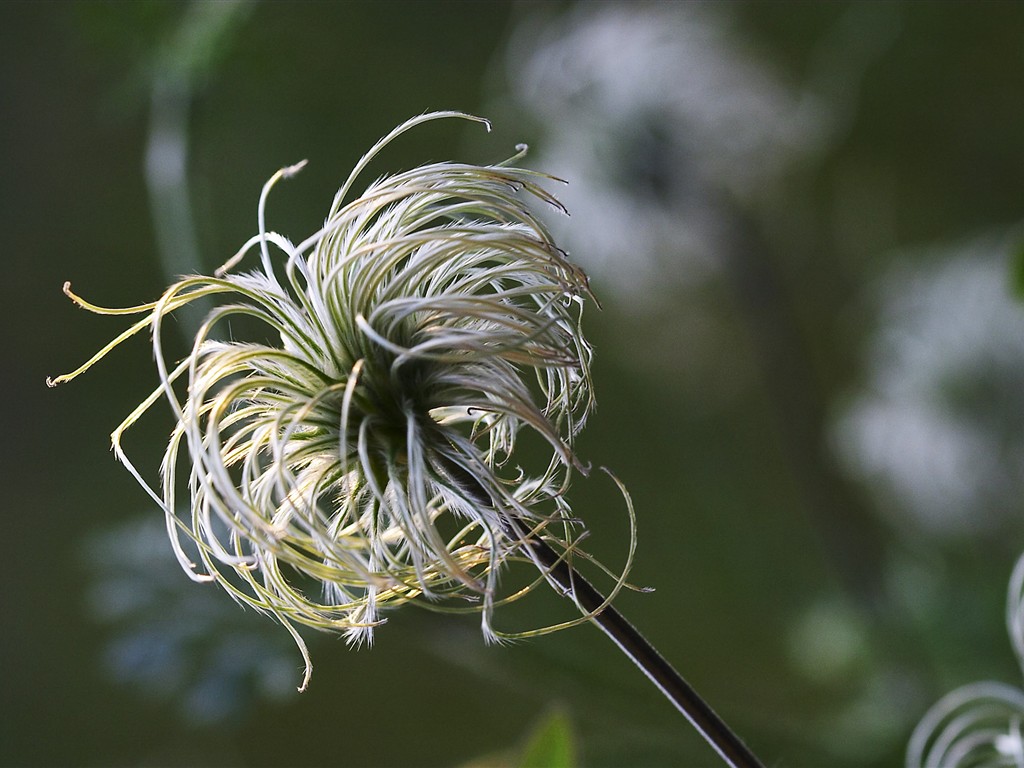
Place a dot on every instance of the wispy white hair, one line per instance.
(359, 460)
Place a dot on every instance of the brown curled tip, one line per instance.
(67, 292)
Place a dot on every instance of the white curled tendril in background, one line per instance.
(978, 725)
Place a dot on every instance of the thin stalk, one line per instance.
(573, 585)
(712, 727)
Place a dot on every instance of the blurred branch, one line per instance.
(167, 182)
(851, 536)
(190, 55)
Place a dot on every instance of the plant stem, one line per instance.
(714, 730)
(571, 583)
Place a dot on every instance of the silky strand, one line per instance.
(978, 725)
(359, 453)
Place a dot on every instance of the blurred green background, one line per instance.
(802, 221)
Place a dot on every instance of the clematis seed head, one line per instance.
(362, 458)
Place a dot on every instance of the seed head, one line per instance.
(361, 458)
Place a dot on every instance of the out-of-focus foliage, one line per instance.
(803, 221)
(175, 642)
(550, 744)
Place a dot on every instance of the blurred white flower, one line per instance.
(359, 460)
(930, 430)
(661, 117)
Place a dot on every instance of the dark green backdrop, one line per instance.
(794, 591)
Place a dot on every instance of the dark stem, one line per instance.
(714, 730)
(572, 585)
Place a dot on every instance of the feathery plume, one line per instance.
(361, 457)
